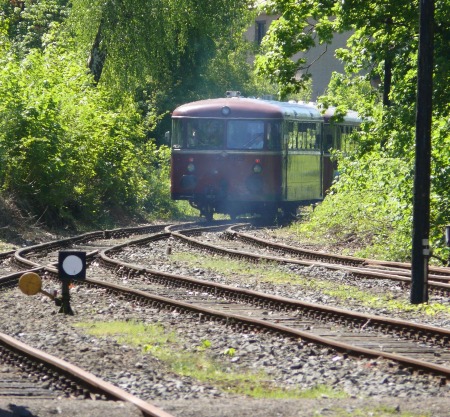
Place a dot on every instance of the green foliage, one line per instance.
(292, 33)
(30, 23)
(165, 44)
(206, 344)
(384, 39)
(352, 92)
(75, 145)
(229, 68)
(440, 185)
(369, 207)
(166, 52)
(229, 352)
(72, 147)
(371, 203)
(66, 149)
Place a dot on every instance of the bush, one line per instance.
(369, 206)
(70, 149)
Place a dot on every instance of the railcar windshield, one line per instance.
(245, 134)
(253, 134)
(226, 134)
(205, 133)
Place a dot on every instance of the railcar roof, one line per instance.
(247, 108)
(351, 116)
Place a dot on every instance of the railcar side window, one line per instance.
(337, 143)
(245, 134)
(303, 136)
(315, 137)
(293, 133)
(303, 139)
(348, 143)
(328, 133)
(343, 138)
(205, 134)
(177, 138)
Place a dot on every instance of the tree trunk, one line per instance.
(97, 56)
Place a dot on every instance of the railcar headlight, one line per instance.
(257, 168)
(191, 167)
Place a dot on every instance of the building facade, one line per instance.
(321, 58)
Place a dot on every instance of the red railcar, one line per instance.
(239, 155)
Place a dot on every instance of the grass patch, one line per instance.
(200, 363)
(381, 411)
(263, 271)
(5, 247)
(270, 273)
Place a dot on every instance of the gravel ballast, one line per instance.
(287, 363)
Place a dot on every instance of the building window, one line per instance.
(260, 30)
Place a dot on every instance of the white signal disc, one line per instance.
(72, 265)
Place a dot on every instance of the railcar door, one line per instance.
(302, 162)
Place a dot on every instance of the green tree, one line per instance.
(70, 149)
(30, 20)
(75, 144)
(166, 52)
(383, 46)
(160, 42)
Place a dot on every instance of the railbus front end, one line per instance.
(234, 156)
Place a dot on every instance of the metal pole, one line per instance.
(65, 299)
(421, 209)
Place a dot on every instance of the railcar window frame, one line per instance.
(177, 134)
(301, 135)
(269, 130)
(347, 138)
(204, 133)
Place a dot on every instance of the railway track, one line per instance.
(438, 280)
(61, 378)
(305, 316)
(348, 333)
(14, 384)
(31, 374)
(433, 342)
(440, 274)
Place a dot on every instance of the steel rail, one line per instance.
(7, 281)
(252, 323)
(87, 379)
(351, 260)
(361, 272)
(20, 255)
(6, 255)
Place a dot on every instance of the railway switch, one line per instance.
(71, 266)
(30, 283)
